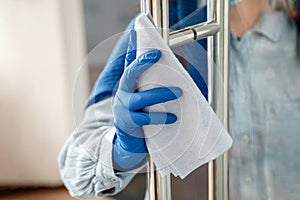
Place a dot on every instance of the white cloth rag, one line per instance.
(197, 136)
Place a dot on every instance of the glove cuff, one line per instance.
(124, 160)
(130, 143)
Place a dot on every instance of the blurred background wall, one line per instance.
(42, 48)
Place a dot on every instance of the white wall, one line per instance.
(42, 48)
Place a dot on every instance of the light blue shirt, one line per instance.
(85, 161)
(265, 111)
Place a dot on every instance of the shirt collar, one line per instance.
(271, 25)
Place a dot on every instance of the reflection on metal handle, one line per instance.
(219, 10)
(159, 187)
(192, 33)
(159, 10)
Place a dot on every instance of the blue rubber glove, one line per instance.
(110, 76)
(130, 148)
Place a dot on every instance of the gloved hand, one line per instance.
(113, 70)
(129, 144)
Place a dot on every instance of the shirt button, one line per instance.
(243, 96)
(248, 179)
(246, 139)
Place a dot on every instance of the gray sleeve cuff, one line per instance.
(85, 161)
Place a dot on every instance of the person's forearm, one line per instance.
(85, 162)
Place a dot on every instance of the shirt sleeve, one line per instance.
(85, 161)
